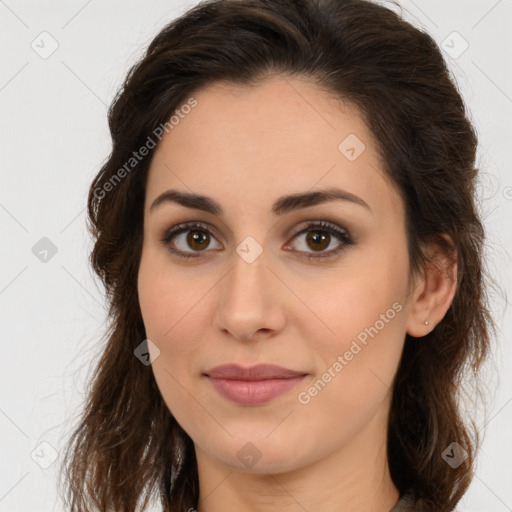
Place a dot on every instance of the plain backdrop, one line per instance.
(62, 63)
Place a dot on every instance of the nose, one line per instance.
(250, 300)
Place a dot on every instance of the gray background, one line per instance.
(54, 138)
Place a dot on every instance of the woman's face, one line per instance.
(249, 293)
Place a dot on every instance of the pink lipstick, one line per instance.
(254, 385)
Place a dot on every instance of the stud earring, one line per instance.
(427, 322)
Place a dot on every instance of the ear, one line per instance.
(434, 290)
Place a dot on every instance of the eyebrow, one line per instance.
(281, 206)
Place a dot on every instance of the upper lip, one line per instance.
(257, 372)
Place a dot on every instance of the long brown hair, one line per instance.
(127, 444)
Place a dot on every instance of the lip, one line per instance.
(254, 385)
(256, 372)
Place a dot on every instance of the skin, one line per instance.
(245, 147)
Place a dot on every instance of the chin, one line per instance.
(257, 455)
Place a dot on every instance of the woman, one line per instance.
(287, 232)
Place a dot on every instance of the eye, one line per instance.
(196, 236)
(320, 236)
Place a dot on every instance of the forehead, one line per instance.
(283, 136)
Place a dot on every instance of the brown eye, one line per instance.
(198, 240)
(318, 240)
(188, 240)
(318, 237)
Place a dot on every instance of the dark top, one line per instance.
(405, 503)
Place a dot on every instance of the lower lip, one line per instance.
(253, 392)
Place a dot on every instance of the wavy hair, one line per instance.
(127, 444)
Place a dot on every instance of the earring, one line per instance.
(427, 322)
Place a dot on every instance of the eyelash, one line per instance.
(322, 226)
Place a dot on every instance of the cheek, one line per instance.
(168, 299)
(362, 310)
(353, 304)
(357, 362)
(175, 310)
(167, 307)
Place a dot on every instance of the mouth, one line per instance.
(253, 385)
(253, 392)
